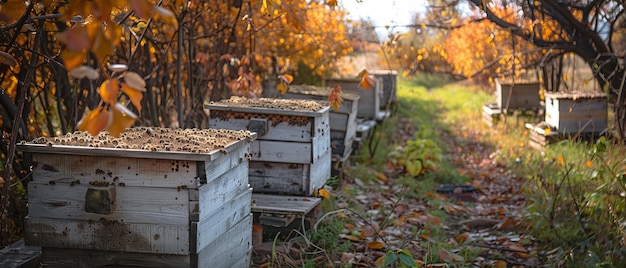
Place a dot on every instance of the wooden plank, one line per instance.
(320, 172)
(282, 151)
(214, 169)
(283, 204)
(230, 249)
(282, 131)
(128, 153)
(108, 235)
(167, 206)
(321, 146)
(77, 258)
(20, 255)
(219, 191)
(209, 228)
(62, 168)
(339, 121)
(285, 178)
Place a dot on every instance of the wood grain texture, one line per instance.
(282, 131)
(220, 191)
(62, 168)
(283, 204)
(571, 116)
(212, 226)
(108, 235)
(231, 249)
(77, 258)
(168, 206)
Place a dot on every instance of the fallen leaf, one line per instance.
(461, 238)
(500, 264)
(375, 244)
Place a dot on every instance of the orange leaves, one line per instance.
(366, 80)
(108, 91)
(112, 115)
(12, 10)
(334, 98)
(96, 121)
(375, 245)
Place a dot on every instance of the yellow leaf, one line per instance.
(461, 238)
(323, 193)
(72, 59)
(282, 88)
(362, 73)
(12, 10)
(96, 121)
(334, 98)
(108, 91)
(134, 95)
(286, 78)
(379, 261)
(375, 244)
(75, 38)
(331, 3)
(142, 8)
(500, 264)
(101, 46)
(367, 82)
(121, 120)
(352, 238)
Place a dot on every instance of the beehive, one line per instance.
(521, 95)
(152, 198)
(342, 121)
(577, 112)
(389, 85)
(370, 99)
(291, 154)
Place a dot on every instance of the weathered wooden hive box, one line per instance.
(389, 84)
(342, 121)
(370, 100)
(518, 96)
(577, 112)
(154, 197)
(291, 154)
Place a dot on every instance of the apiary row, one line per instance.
(563, 114)
(186, 198)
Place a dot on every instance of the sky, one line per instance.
(385, 12)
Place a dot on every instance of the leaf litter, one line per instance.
(384, 224)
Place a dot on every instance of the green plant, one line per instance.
(419, 155)
(399, 258)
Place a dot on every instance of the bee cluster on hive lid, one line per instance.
(282, 104)
(153, 139)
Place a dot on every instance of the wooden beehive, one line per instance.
(491, 113)
(389, 84)
(370, 99)
(342, 121)
(141, 205)
(292, 152)
(521, 95)
(581, 112)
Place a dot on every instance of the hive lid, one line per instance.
(146, 142)
(575, 95)
(320, 91)
(296, 107)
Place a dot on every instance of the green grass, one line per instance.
(576, 191)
